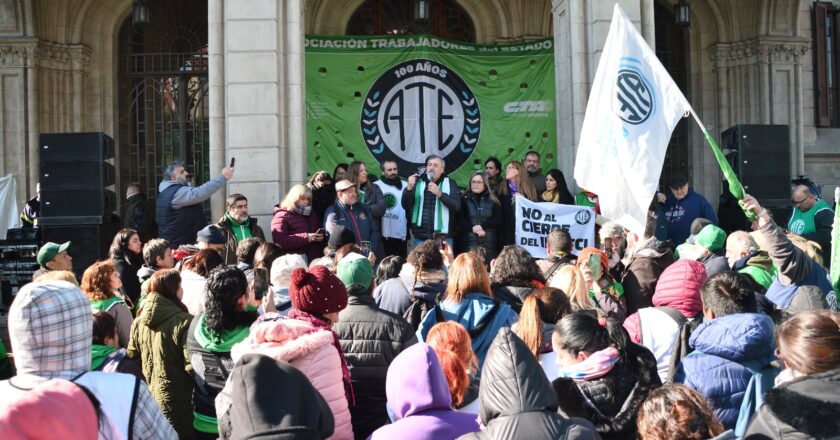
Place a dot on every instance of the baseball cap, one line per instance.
(678, 181)
(356, 272)
(342, 185)
(49, 250)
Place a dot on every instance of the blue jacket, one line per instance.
(680, 213)
(469, 312)
(714, 367)
(352, 217)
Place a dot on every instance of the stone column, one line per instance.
(580, 31)
(256, 71)
(18, 113)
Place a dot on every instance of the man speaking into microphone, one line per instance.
(431, 201)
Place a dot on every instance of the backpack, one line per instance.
(681, 348)
(762, 380)
(415, 312)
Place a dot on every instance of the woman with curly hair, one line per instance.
(424, 280)
(127, 254)
(210, 338)
(99, 283)
(515, 276)
(676, 411)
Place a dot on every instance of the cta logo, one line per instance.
(417, 108)
(527, 107)
(634, 100)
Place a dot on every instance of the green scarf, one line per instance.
(241, 232)
(103, 305)
(98, 355)
(441, 215)
(218, 343)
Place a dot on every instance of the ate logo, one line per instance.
(390, 201)
(634, 101)
(417, 108)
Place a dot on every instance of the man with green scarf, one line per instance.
(431, 200)
(237, 225)
(212, 334)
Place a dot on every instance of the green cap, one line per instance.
(711, 237)
(356, 272)
(49, 250)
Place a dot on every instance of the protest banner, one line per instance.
(535, 220)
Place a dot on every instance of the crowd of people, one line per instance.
(402, 309)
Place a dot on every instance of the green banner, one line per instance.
(406, 97)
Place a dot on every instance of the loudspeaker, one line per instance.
(761, 159)
(90, 243)
(73, 174)
(76, 175)
(72, 147)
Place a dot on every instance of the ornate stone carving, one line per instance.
(762, 50)
(45, 54)
(18, 53)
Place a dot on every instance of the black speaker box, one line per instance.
(77, 175)
(71, 147)
(89, 243)
(761, 156)
(95, 202)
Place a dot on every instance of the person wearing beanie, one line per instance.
(419, 398)
(712, 239)
(211, 237)
(605, 293)
(371, 338)
(675, 303)
(262, 407)
(56, 409)
(306, 340)
(50, 328)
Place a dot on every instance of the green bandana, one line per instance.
(98, 355)
(241, 232)
(221, 343)
(103, 305)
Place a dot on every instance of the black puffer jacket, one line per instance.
(370, 338)
(612, 401)
(451, 201)
(516, 397)
(802, 409)
(513, 295)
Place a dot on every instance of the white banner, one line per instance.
(633, 107)
(535, 220)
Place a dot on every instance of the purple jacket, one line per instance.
(289, 229)
(418, 397)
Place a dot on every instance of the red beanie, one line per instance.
(317, 291)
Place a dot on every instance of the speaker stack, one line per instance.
(76, 205)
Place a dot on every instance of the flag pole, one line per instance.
(735, 186)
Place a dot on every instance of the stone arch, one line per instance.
(17, 18)
(490, 18)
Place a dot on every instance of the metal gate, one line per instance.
(163, 103)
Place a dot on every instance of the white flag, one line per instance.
(632, 110)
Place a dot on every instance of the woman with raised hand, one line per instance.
(605, 293)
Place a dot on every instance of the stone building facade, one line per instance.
(740, 62)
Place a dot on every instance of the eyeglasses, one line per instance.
(476, 182)
(797, 203)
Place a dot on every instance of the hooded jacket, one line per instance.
(611, 402)
(680, 213)
(291, 231)
(805, 408)
(263, 406)
(470, 312)
(643, 266)
(224, 225)
(159, 343)
(370, 339)
(308, 349)
(678, 288)
(516, 398)
(63, 351)
(714, 368)
(419, 399)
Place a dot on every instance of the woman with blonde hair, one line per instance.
(295, 227)
(569, 279)
(370, 195)
(469, 301)
(100, 283)
(453, 347)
